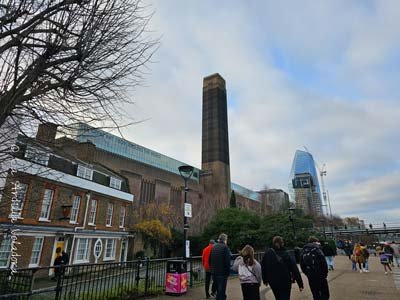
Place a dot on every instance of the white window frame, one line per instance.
(17, 209)
(86, 253)
(109, 215)
(111, 255)
(76, 203)
(84, 172)
(38, 156)
(6, 243)
(47, 212)
(92, 213)
(36, 264)
(115, 183)
(122, 214)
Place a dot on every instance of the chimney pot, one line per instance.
(46, 133)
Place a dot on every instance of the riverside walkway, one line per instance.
(344, 284)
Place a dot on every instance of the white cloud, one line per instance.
(345, 114)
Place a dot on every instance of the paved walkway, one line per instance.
(344, 284)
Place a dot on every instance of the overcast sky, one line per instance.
(320, 74)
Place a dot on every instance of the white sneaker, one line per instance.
(361, 271)
(366, 271)
(385, 273)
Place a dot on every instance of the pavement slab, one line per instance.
(344, 284)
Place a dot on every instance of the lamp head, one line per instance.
(186, 171)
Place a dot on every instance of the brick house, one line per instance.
(57, 200)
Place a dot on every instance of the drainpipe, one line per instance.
(88, 195)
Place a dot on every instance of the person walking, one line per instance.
(365, 256)
(205, 258)
(348, 248)
(359, 258)
(249, 271)
(278, 269)
(384, 258)
(329, 253)
(389, 253)
(220, 263)
(313, 265)
(61, 259)
(396, 252)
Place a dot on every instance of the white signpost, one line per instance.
(188, 210)
(187, 252)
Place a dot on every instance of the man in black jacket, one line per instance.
(313, 264)
(329, 253)
(220, 264)
(278, 269)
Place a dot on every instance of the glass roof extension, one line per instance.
(245, 192)
(114, 144)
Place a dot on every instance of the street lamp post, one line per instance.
(186, 172)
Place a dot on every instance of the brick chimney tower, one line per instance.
(46, 133)
(215, 143)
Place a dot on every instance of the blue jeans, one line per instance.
(221, 282)
(329, 261)
(366, 265)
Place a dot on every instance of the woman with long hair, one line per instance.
(278, 270)
(249, 271)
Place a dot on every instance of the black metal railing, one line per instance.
(105, 281)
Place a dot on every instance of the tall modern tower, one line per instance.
(215, 143)
(304, 183)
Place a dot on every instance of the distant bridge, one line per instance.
(392, 231)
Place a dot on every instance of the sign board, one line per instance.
(188, 210)
(187, 252)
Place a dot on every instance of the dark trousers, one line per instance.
(213, 287)
(220, 281)
(250, 291)
(281, 293)
(319, 287)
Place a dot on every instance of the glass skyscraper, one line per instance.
(304, 184)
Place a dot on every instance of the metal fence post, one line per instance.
(146, 280)
(59, 276)
(137, 278)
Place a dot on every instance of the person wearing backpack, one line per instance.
(314, 266)
(278, 270)
(249, 271)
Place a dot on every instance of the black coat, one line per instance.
(327, 250)
(322, 267)
(220, 260)
(278, 269)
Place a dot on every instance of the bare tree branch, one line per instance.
(71, 60)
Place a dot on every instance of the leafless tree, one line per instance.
(69, 61)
